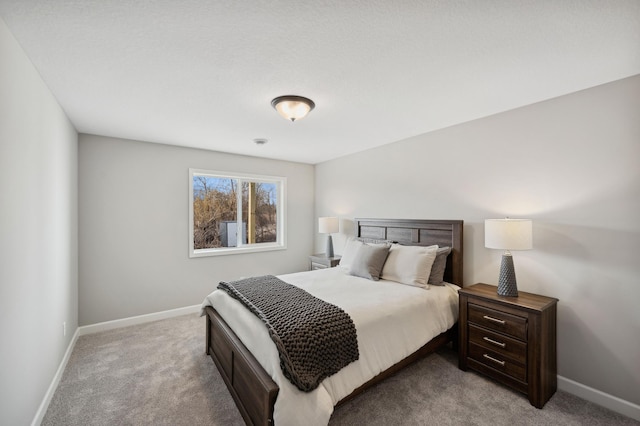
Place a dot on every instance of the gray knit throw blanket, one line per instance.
(315, 339)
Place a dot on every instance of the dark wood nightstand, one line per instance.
(320, 261)
(510, 339)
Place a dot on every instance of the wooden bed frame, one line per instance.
(252, 388)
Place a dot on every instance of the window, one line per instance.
(232, 213)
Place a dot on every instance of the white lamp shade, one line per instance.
(508, 234)
(328, 225)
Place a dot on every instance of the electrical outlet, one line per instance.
(64, 328)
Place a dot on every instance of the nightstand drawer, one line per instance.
(497, 362)
(499, 321)
(315, 265)
(320, 261)
(505, 346)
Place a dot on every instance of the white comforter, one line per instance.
(392, 321)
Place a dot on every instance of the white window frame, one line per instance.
(281, 235)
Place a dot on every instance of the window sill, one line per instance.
(236, 250)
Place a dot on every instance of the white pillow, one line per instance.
(350, 251)
(409, 264)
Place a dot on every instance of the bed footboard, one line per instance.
(252, 389)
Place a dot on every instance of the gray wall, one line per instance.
(572, 164)
(38, 229)
(133, 227)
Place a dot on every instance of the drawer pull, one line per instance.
(496, 320)
(495, 342)
(490, 358)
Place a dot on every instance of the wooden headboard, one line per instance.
(417, 232)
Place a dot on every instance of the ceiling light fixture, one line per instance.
(292, 107)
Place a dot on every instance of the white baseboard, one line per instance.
(605, 400)
(94, 328)
(140, 319)
(44, 405)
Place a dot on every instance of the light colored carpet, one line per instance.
(158, 374)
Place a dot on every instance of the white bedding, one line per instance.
(392, 321)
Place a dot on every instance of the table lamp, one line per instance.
(328, 225)
(508, 234)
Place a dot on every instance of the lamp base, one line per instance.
(507, 285)
(329, 250)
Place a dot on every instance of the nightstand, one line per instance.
(510, 339)
(320, 261)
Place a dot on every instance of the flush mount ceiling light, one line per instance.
(292, 107)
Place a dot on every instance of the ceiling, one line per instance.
(202, 73)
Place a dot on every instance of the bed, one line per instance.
(255, 383)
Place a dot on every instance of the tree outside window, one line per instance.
(235, 212)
